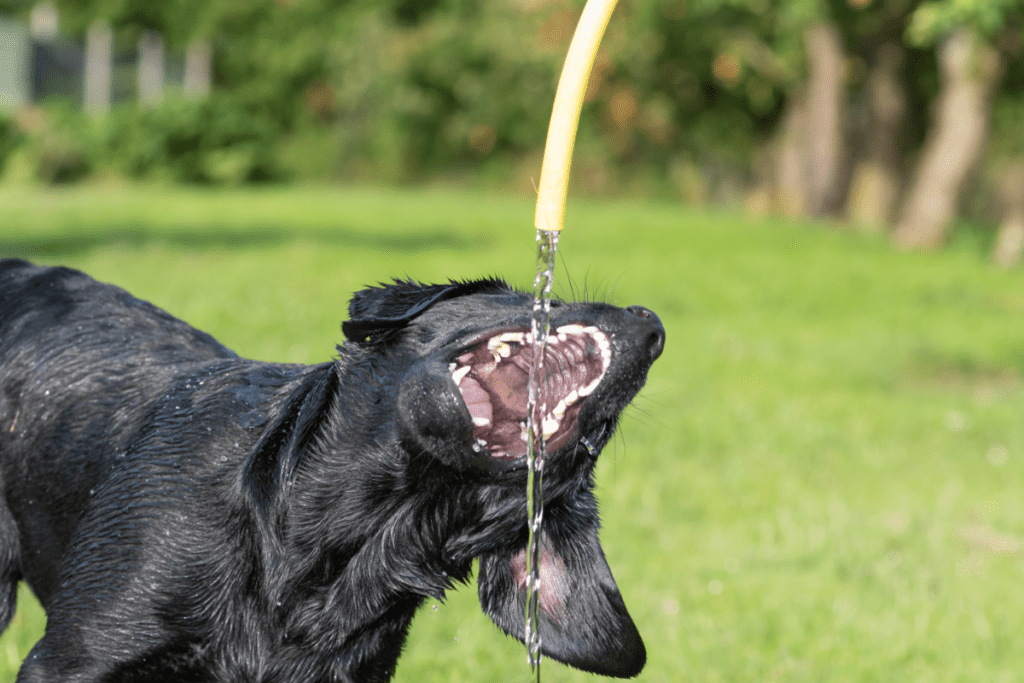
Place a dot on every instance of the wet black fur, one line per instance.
(184, 514)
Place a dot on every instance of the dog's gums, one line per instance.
(492, 378)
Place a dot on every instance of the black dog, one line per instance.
(184, 514)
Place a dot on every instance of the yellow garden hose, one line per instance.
(565, 114)
(550, 216)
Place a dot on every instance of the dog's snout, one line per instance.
(642, 312)
(656, 337)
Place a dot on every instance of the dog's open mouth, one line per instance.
(493, 378)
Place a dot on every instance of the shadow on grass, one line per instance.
(73, 242)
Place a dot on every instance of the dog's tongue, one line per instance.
(477, 400)
(509, 382)
(498, 414)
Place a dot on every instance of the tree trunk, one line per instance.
(805, 174)
(825, 129)
(99, 51)
(1010, 239)
(876, 177)
(790, 188)
(151, 68)
(198, 69)
(969, 72)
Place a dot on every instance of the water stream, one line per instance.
(547, 246)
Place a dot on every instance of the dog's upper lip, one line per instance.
(482, 337)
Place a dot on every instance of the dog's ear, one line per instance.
(292, 422)
(583, 620)
(377, 311)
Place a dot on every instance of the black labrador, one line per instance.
(184, 514)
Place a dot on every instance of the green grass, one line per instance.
(821, 481)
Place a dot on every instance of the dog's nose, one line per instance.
(656, 338)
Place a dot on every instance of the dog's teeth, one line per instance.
(589, 389)
(550, 426)
(481, 421)
(570, 329)
(559, 411)
(451, 367)
(477, 447)
(516, 337)
(571, 398)
(459, 374)
(497, 347)
(560, 337)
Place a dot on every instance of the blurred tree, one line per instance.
(888, 82)
(177, 20)
(1009, 243)
(798, 54)
(876, 176)
(817, 102)
(962, 32)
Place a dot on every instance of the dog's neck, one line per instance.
(343, 513)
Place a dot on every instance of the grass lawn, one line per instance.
(822, 480)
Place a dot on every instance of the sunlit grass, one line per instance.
(821, 481)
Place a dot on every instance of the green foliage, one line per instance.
(463, 84)
(406, 91)
(936, 19)
(210, 141)
(10, 138)
(177, 20)
(820, 482)
(450, 89)
(53, 145)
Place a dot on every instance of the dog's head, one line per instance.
(467, 350)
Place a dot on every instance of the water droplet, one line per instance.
(998, 455)
(547, 246)
(955, 420)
